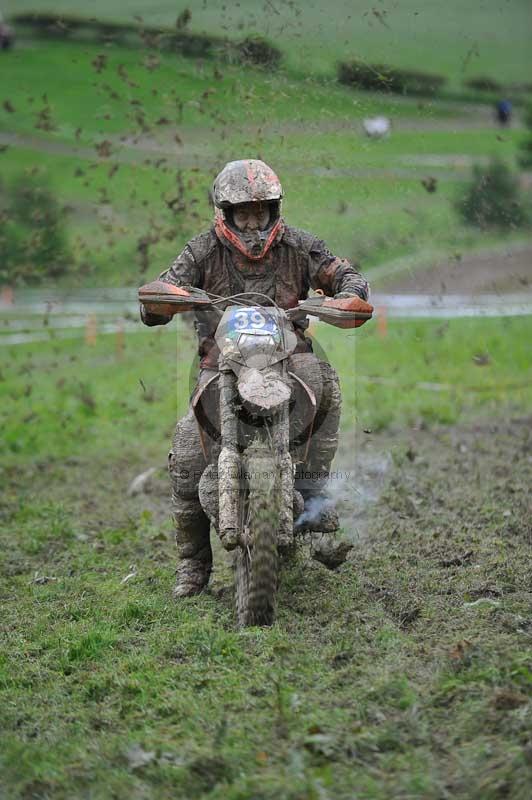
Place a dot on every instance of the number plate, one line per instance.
(252, 319)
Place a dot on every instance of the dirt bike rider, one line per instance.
(251, 249)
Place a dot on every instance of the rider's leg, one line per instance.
(312, 476)
(186, 465)
(319, 514)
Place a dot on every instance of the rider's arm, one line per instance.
(183, 271)
(334, 275)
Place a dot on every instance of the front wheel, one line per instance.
(256, 560)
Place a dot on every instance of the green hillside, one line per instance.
(458, 39)
(366, 198)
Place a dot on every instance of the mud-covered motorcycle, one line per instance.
(247, 489)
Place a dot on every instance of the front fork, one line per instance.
(229, 463)
(286, 477)
(230, 467)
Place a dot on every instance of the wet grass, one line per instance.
(69, 399)
(407, 673)
(431, 371)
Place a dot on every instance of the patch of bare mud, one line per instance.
(449, 481)
(505, 270)
(445, 491)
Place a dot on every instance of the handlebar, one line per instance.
(163, 298)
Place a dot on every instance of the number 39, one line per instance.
(243, 320)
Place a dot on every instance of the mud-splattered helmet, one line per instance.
(247, 181)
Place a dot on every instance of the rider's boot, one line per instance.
(319, 514)
(194, 549)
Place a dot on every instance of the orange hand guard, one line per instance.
(351, 304)
(163, 298)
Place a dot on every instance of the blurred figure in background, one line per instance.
(503, 112)
(6, 34)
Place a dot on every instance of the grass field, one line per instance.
(75, 394)
(405, 674)
(489, 38)
(408, 672)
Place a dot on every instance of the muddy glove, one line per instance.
(160, 300)
(153, 319)
(344, 305)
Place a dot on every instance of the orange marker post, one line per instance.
(382, 322)
(90, 330)
(7, 296)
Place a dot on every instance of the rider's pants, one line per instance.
(187, 462)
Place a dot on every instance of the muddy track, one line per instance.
(503, 270)
(435, 597)
(436, 488)
(446, 485)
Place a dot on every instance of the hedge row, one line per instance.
(383, 78)
(483, 83)
(253, 50)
